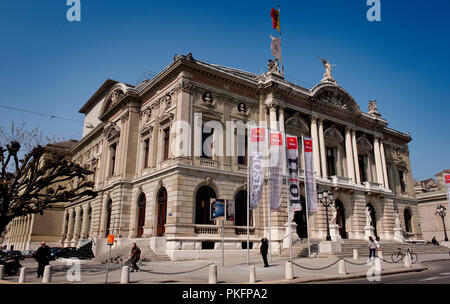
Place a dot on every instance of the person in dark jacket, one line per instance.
(264, 249)
(135, 256)
(434, 241)
(42, 256)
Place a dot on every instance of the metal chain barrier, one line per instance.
(179, 272)
(354, 263)
(320, 268)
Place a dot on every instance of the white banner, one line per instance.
(276, 145)
(292, 172)
(256, 163)
(310, 179)
(447, 187)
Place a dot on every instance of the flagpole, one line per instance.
(288, 200)
(306, 196)
(248, 197)
(268, 201)
(281, 55)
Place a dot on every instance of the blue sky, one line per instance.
(50, 65)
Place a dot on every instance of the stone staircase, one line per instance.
(300, 248)
(389, 247)
(122, 254)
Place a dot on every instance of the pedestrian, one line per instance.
(264, 249)
(372, 247)
(135, 256)
(434, 241)
(42, 256)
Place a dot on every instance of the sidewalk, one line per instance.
(236, 270)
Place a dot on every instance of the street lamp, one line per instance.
(441, 211)
(326, 199)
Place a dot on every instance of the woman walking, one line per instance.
(372, 248)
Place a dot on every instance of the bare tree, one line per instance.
(40, 179)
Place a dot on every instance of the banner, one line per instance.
(275, 47)
(310, 179)
(256, 163)
(447, 187)
(217, 208)
(292, 172)
(276, 169)
(230, 210)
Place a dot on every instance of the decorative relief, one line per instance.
(208, 181)
(373, 108)
(111, 131)
(125, 115)
(364, 143)
(333, 134)
(242, 109)
(207, 98)
(332, 98)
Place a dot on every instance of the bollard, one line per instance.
(342, 267)
(355, 254)
(22, 275)
(212, 274)
(125, 279)
(380, 254)
(407, 260)
(47, 278)
(252, 274)
(289, 271)
(378, 268)
(2, 272)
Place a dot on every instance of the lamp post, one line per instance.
(326, 199)
(441, 211)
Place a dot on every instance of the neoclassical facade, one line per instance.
(151, 193)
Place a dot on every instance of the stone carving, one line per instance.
(125, 115)
(207, 98)
(397, 219)
(147, 113)
(116, 95)
(327, 76)
(373, 108)
(273, 66)
(242, 108)
(208, 180)
(334, 209)
(368, 217)
(111, 131)
(332, 98)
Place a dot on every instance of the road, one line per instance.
(438, 273)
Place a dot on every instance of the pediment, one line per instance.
(335, 96)
(297, 122)
(364, 143)
(333, 134)
(111, 131)
(113, 97)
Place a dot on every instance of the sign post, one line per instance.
(218, 212)
(110, 242)
(447, 188)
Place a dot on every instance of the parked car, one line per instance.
(11, 263)
(53, 251)
(28, 253)
(66, 252)
(15, 253)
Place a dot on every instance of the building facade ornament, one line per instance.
(327, 77)
(373, 108)
(111, 131)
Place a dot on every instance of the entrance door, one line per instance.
(341, 219)
(300, 220)
(141, 216)
(162, 212)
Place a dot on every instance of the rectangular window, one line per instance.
(401, 175)
(331, 163)
(146, 152)
(166, 143)
(362, 161)
(205, 136)
(112, 152)
(242, 159)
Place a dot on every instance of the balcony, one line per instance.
(341, 180)
(209, 163)
(206, 229)
(372, 186)
(242, 230)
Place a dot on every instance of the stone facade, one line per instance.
(150, 191)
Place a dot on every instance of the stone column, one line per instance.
(383, 163)
(281, 116)
(315, 140)
(70, 228)
(349, 154)
(84, 232)
(355, 157)
(273, 118)
(27, 231)
(77, 228)
(64, 227)
(323, 159)
(376, 149)
(339, 161)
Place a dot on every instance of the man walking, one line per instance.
(264, 249)
(135, 256)
(42, 256)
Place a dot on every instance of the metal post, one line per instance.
(306, 198)
(445, 231)
(109, 253)
(248, 197)
(288, 201)
(268, 202)
(328, 224)
(223, 243)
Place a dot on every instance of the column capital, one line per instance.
(315, 117)
(71, 211)
(350, 128)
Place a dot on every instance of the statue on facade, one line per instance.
(368, 217)
(397, 219)
(327, 75)
(373, 108)
(273, 66)
(207, 98)
(242, 108)
(334, 213)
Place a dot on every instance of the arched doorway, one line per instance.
(108, 217)
(141, 215)
(81, 224)
(340, 220)
(374, 218)
(408, 216)
(202, 203)
(162, 212)
(89, 220)
(300, 220)
(240, 215)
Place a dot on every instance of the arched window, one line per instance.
(407, 215)
(202, 205)
(108, 217)
(240, 217)
(141, 215)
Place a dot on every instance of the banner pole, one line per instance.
(268, 202)
(288, 200)
(306, 196)
(248, 196)
(223, 242)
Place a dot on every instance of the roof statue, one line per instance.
(327, 75)
(373, 108)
